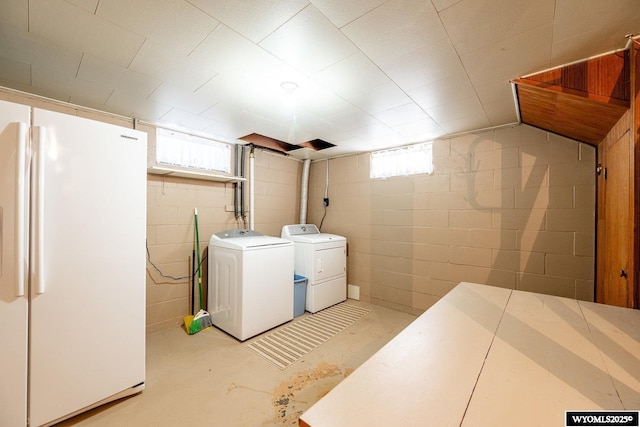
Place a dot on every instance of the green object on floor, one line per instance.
(202, 319)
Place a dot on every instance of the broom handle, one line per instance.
(198, 257)
(193, 282)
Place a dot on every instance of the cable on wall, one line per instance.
(168, 276)
(325, 201)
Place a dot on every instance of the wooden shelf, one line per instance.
(182, 173)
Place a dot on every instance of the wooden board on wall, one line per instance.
(582, 101)
(635, 126)
(582, 118)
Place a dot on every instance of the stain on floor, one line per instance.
(295, 395)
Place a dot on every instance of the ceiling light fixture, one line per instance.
(289, 87)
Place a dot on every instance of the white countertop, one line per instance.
(488, 356)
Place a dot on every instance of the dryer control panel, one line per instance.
(300, 229)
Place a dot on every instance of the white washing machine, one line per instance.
(322, 259)
(250, 282)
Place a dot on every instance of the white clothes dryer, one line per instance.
(250, 282)
(322, 259)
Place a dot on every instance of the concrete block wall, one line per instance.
(170, 226)
(512, 207)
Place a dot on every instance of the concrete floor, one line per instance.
(211, 379)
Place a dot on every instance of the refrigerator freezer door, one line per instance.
(14, 121)
(87, 322)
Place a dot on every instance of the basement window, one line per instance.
(409, 160)
(192, 152)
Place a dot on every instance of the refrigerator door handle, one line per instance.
(39, 138)
(20, 208)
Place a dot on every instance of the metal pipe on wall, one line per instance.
(243, 213)
(252, 209)
(304, 191)
(236, 186)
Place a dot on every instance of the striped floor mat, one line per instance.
(285, 346)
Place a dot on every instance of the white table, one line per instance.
(488, 356)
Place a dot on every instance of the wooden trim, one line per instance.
(606, 75)
(584, 119)
(577, 93)
(634, 291)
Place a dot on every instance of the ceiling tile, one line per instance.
(140, 16)
(466, 123)
(402, 114)
(33, 49)
(396, 28)
(152, 59)
(183, 27)
(601, 22)
(90, 94)
(308, 42)
(426, 64)
(15, 71)
(178, 118)
(351, 119)
(491, 91)
(226, 51)
(420, 130)
(232, 120)
(103, 72)
(352, 76)
(254, 19)
(14, 13)
(175, 24)
(221, 88)
(67, 25)
(440, 5)
(371, 74)
(383, 97)
(69, 86)
(342, 12)
(507, 59)
(127, 104)
(456, 110)
(46, 78)
(181, 99)
(582, 32)
(473, 24)
(88, 5)
(501, 112)
(315, 99)
(454, 87)
(17, 86)
(375, 131)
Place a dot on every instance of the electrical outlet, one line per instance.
(326, 201)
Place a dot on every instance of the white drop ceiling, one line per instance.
(371, 74)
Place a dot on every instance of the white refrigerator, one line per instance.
(72, 264)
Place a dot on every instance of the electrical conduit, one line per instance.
(304, 191)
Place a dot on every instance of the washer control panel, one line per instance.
(230, 234)
(300, 229)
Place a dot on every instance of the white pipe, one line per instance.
(514, 92)
(304, 191)
(629, 41)
(252, 181)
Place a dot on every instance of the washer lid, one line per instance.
(241, 239)
(308, 233)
